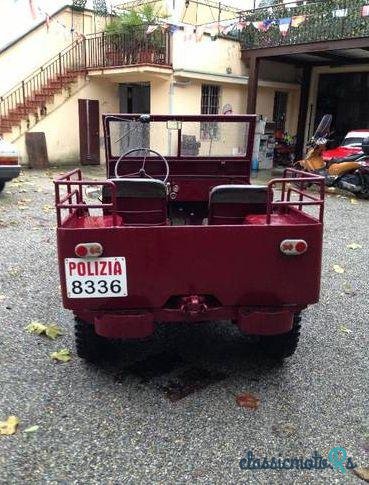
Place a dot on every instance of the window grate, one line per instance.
(210, 95)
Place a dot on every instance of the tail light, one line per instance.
(88, 250)
(293, 247)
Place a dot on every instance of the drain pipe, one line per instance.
(172, 85)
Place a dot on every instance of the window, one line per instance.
(210, 95)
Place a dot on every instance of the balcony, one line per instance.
(324, 21)
(120, 50)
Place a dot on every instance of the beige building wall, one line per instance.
(39, 46)
(221, 57)
(61, 125)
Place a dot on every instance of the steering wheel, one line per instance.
(142, 171)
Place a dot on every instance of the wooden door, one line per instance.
(89, 131)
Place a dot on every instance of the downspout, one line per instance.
(171, 103)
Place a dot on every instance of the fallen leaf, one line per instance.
(338, 269)
(354, 246)
(36, 327)
(14, 271)
(284, 429)
(9, 426)
(248, 401)
(31, 429)
(344, 329)
(62, 355)
(354, 201)
(362, 473)
(2, 297)
(51, 331)
(348, 290)
(47, 208)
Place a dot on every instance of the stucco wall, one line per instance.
(61, 125)
(39, 46)
(206, 55)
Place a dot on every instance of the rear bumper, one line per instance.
(9, 172)
(140, 324)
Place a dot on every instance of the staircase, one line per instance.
(28, 100)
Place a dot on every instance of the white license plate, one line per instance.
(95, 277)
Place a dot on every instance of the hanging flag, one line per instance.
(365, 11)
(164, 27)
(47, 22)
(267, 24)
(151, 29)
(340, 13)
(298, 20)
(173, 28)
(32, 9)
(199, 33)
(188, 32)
(241, 25)
(284, 25)
(258, 25)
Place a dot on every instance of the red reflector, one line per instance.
(301, 247)
(293, 247)
(81, 250)
(85, 250)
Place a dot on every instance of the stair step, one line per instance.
(5, 129)
(43, 97)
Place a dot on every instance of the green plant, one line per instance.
(127, 22)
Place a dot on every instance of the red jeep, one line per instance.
(180, 235)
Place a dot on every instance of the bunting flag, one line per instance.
(164, 27)
(151, 29)
(365, 11)
(284, 25)
(188, 32)
(199, 33)
(340, 13)
(47, 22)
(32, 9)
(298, 20)
(258, 25)
(241, 25)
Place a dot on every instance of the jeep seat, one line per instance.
(140, 201)
(230, 204)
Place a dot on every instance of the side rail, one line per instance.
(71, 198)
(294, 185)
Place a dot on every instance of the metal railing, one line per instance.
(295, 183)
(29, 94)
(116, 50)
(94, 51)
(72, 200)
(324, 21)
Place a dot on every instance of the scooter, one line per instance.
(350, 174)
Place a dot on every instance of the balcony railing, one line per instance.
(97, 51)
(325, 20)
(116, 50)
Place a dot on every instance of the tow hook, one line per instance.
(193, 305)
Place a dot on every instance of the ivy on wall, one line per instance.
(324, 21)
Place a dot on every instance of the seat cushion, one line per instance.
(138, 188)
(229, 204)
(239, 194)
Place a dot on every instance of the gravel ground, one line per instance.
(115, 424)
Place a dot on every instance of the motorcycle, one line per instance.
(350, 174)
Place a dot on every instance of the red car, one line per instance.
(181, 235)
(351, 145)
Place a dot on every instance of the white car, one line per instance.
(9, 163)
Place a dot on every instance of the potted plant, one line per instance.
(127, 37)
